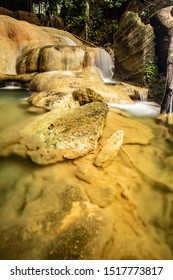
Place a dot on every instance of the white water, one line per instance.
(69, 41)
(10, 87)
(105, 64)
(139, 109)
(143, 96)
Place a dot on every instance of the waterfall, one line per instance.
(105, 64)
(69, 41)
(143, 96)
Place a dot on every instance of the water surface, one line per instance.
(147, 169)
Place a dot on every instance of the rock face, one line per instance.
(134, 48)
(57, 135)
(49, 58)
(18, 37)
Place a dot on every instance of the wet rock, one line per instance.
(70, 81)
(20, 79)
(18, 37)
(109, 151)
(51, 100)
(49, 58)
(84, 240)
(74, 228)
(57, 135)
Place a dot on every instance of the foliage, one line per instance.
(150, 72)
(117, 3)
(113, 27)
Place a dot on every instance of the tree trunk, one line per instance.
(87, 19)
(165, 18)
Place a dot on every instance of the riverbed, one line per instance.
(142, 173)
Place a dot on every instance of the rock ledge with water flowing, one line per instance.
(57, 135)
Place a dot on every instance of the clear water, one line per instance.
(154, 200)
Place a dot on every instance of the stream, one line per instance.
(154, 201)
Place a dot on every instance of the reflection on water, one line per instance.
(144, 168)
(11, 110)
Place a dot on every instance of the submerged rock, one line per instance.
(109, 151)
(57, 135)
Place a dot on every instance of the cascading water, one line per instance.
(143, 96)
(105, 64)
(69, 41)
(139, 109)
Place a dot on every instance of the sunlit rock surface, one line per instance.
(17, 37)
(57, 135)
(49, 58)
(53, 99)
(70, 81)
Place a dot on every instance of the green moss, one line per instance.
(150, 72)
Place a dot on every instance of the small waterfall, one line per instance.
(11, 69)
(143, 96)
(105, 64)
(69, 41)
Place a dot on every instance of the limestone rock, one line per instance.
(134, 47)
(86, 95)
(57, 135)
(70, 81)
(18, 37)
(51, 100)
(49, 58)
(109, 151)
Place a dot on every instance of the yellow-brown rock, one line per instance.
(18, 37)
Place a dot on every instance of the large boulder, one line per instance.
(134, 48)
(57, 135)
